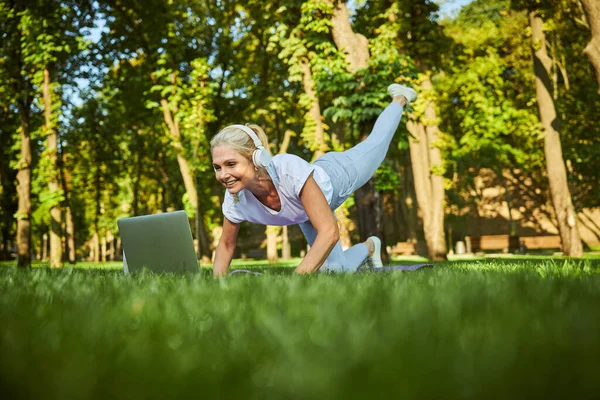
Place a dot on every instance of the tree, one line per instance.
(355, 48)
(486, 97)
(427, 166)
(428, 171)
(8, 196)
(413, 28)
(301, 47)
(592, 50)
(43, 38)
(557, 174)
(171, 38)
(19, 81)
(55, 38)
(420, 37)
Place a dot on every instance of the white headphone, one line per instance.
(261, 156)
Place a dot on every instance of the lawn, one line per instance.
(465, 329)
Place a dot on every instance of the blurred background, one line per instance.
(107, 109)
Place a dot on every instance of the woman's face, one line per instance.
(232, 169)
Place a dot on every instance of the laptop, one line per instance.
(159, 243)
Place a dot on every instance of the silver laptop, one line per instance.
(159, 242)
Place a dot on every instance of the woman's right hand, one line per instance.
(225, 248)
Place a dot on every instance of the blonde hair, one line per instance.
(240, 141)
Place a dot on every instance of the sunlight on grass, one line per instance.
(505, 326)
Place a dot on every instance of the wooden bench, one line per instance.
(492, 242)
(511, 243)
(542, 242)
(403, 248)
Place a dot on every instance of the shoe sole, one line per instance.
(376, 257)
(401, 90)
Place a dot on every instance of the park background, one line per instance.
(107, 109)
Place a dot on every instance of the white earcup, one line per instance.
(261, 157)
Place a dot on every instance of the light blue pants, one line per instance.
(348, 171)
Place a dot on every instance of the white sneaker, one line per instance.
(375, 259)
(395, 89)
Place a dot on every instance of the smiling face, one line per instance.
(232, 169)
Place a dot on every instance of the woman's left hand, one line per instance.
(321, 217)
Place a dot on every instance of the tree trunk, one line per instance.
(356, 49)
(286, 250)
(321, 147)
(398, 218)
(555, 166)
(367, 201)
(164, 195)
(420, 167)
(96, 247)
(592, 50)
(344, 222)
(408, 200)
(110, 246)
(315, 110)
(24, 192)
(70, 236)
(187, 174)
(69, 225)
(354, 45)
(53, 184)
(90, 245)
(103, 248)
(8, 206)
(436, 234)
(5, 254)
(44, 252)
(204, 252)
(22, 90)
(184, 165)
(272, 232)
(189, 182)
(138, 177)
(96, 237)
(38, 251)
(119, 249)
(429, 183)
(512, 226)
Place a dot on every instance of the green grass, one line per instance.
(118, 265)
(497, 329)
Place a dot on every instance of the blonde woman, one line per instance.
(287, 190)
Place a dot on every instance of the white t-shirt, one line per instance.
(289, 174)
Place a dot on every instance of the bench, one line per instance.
(511, 243)
(403, 248)
(491, 242)
(542, 242)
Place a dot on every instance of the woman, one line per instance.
(286, 190)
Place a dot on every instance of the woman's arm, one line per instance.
(225, 248)
(322, 219)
